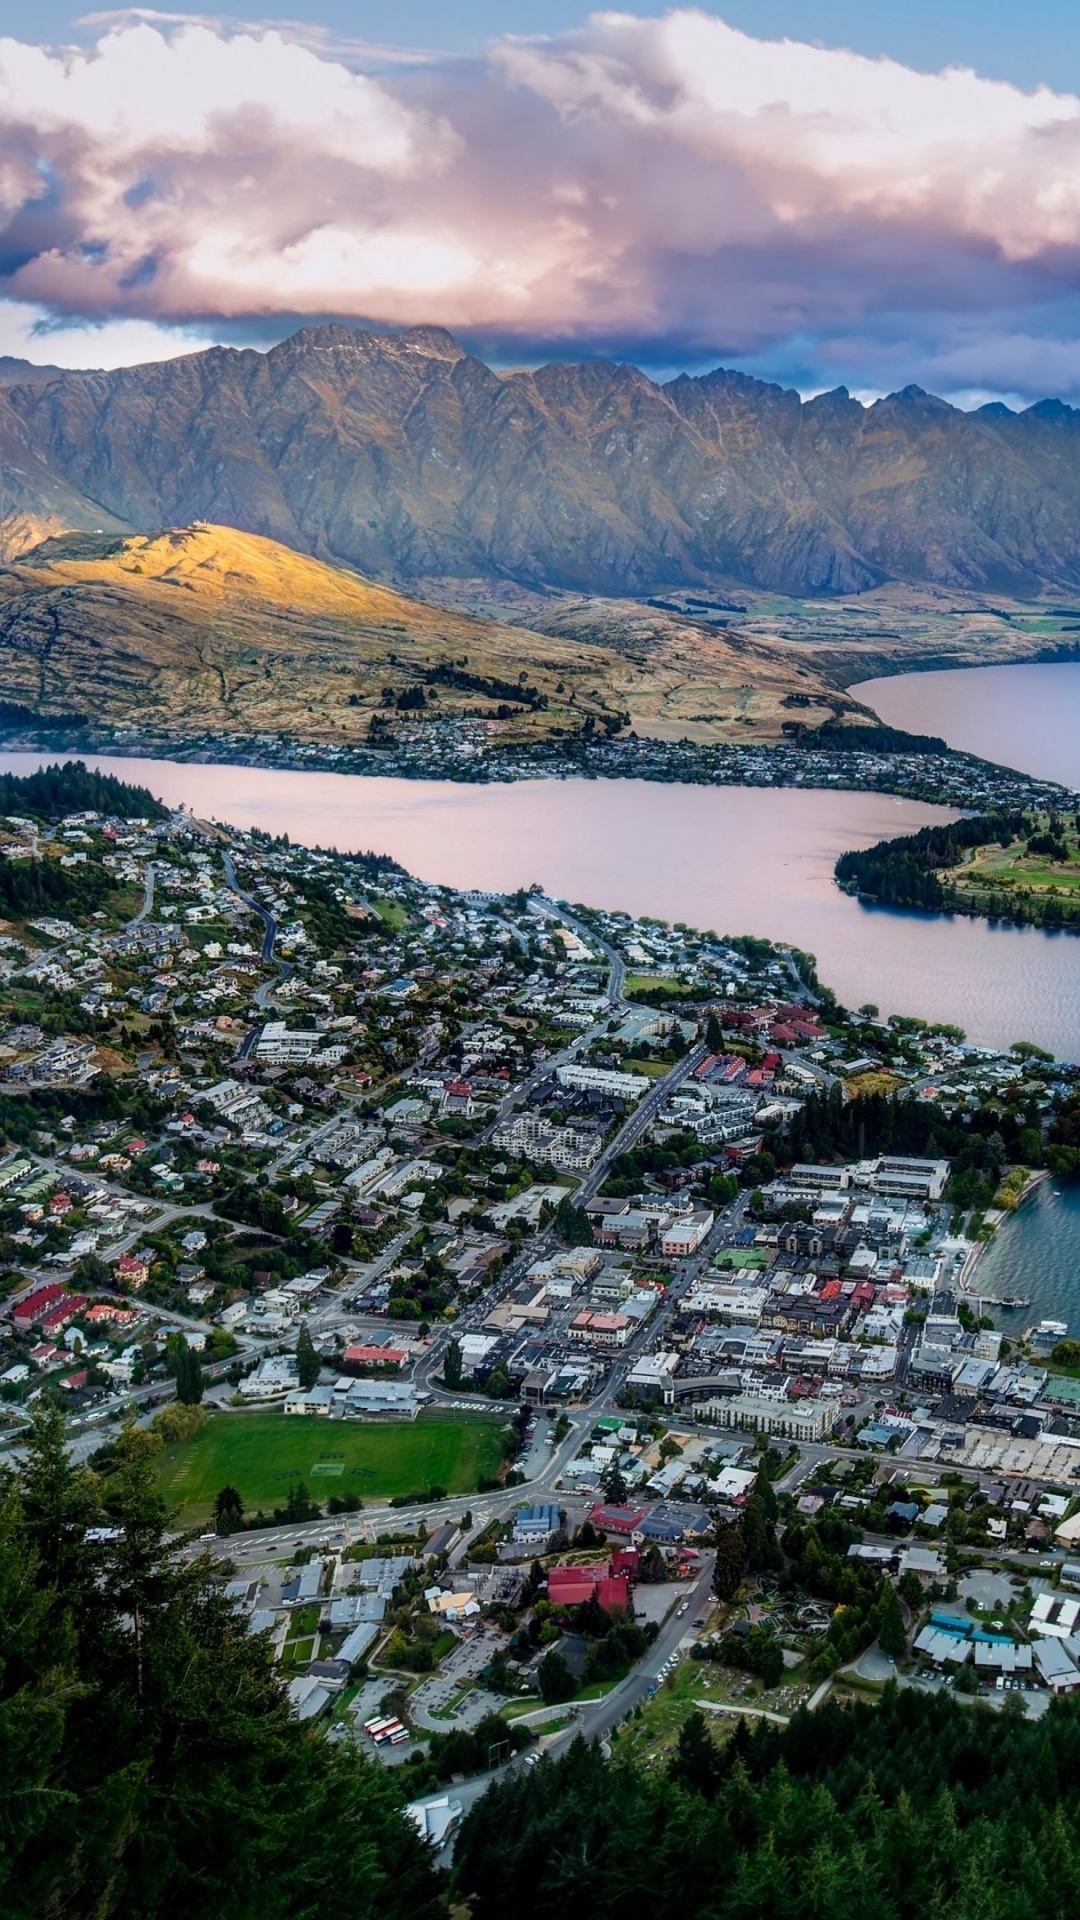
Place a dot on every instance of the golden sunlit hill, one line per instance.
(208, 629)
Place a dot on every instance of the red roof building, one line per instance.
(36, 1305)
(375, 1356)
(623, 1520)
(58, 1317)
(614, 1595)
(573, 1586)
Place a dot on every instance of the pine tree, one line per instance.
(228, 1510)
(308, 1364)
(452, 1366)
(189, 1378)
(730, 1565)
(149, 1762)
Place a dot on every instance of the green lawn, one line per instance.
(651, 983)
(263, 1454)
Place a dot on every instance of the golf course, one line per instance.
(264, 1454)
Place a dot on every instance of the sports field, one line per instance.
(263, 1454)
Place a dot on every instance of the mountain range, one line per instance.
(412, 461)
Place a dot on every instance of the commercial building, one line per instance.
(601, 1329)
(791, 1420)
(683, 1237)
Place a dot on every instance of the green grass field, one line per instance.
(1018, 871)
(651, 1069)
(263, 1454)
(651, 983)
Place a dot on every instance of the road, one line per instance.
(599, 1718)
(644, 1113)
(547, 910)
(263, 993)
(147, 907)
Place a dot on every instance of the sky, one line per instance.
(821, 192)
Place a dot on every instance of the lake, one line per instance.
(734, 859)
(1035, 1255)
(1026, 717)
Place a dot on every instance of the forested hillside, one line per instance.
(149, 1764)
(917, 1809)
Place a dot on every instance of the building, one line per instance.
(910, 1179)
(573, 1586)
(131, 1272)
(435, 1820)
(368, 1399)
(619, 1086)
(275, 1375)
(364, 1356)
(621, 1521)
(30, 1311)
(537, 1523)
(601, 1329)
(529, 1135)
(791, 1420)
(278, 1046)
(684, 1237)
(654, 1373)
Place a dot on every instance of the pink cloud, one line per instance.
(639, 180)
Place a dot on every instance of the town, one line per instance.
(473, 748)
(549, 1321)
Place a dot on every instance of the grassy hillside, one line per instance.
(205, 628)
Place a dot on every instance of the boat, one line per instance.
(1012, 1301)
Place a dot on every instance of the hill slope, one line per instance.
(411, 459)
(206, 629)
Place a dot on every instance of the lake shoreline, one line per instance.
(952, 779)
(748, 862)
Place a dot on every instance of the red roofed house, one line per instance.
(621, 1520)
(375, 1356)
(625, 1562)
(572, 1586)
(131, 1272)
(36, 1305)
(57, 1317)
(614, 1595)
(119, 1316)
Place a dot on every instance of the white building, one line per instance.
(620, 1086)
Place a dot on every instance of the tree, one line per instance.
(697, 1763)
(452, 1365)
(892, 1636)
(308, 1364)
(132, 1698)
(730, 1566)
(614, 1486)
(91, 1273)
(714, 1034)
(228, 1510)
(189, 1379)
(555, 1680)
(572, 1224)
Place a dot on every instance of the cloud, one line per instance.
(664, 186)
